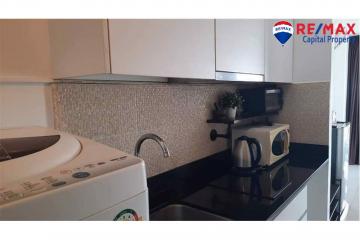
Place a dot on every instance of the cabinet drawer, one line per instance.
(296, 209)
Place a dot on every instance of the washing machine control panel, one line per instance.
(59, 178)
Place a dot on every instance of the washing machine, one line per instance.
(51, 175)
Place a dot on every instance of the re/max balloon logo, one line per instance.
(313, 33)
(283, 31)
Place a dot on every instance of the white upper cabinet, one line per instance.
(79, 48)
(312, 62)
(240, 46)
(250, 49)
(164, 48)
(147, 50)
(97, 49)
(24, 51)
(278, 57)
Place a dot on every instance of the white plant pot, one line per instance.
(231, 113)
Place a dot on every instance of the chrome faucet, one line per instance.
(154, 137)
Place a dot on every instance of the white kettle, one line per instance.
(246, 153)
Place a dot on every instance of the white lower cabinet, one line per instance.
(297, 208)
(304, 218)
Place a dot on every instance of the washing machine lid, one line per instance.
(11, 148)
(25, 152)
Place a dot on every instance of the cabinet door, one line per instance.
(318, 197)
(24, 51)
(278, 57)
(163, 48)
(240, 46)
(304, 218)
(312, 62)
(297, 208)
(79, 47)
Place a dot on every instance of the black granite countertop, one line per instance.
(212, 184)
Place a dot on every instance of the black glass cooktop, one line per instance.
(213, 185)
(268, 183)
(238, 199)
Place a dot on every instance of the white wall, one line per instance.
(25, 73)
(25, 104)
(339, 75)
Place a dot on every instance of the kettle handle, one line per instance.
(256, 161)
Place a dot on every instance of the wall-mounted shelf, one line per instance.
(214, 134)
(236, 121)
(223, 121)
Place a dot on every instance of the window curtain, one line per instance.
(353, 99)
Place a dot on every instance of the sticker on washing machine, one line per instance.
(28, 185)
(9, 195)
(90, 165)
(65, 172)
(127, 215)
(50, 179)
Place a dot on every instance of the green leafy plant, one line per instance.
(241, 98)
(230, 100)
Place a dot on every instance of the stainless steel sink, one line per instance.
(179, 212)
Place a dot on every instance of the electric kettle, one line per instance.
(246, 153)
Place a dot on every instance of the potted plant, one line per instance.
(240, 107)
(229, 103)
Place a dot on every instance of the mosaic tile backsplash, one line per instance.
(306, 109)
(118, 114)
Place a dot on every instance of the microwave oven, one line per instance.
(274, 140)
(261, 100)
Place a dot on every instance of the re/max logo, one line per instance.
(325, 28)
